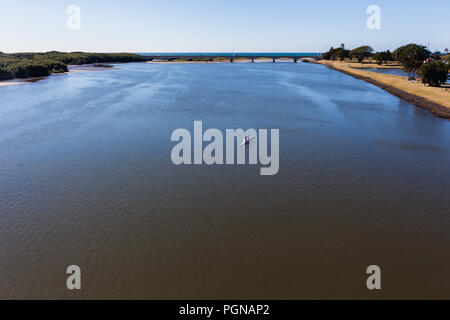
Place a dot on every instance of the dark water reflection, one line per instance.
(86, 179)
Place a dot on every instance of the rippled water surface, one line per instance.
(86, 179)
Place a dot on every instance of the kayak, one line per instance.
(246, 140)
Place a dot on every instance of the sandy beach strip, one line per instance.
(9, 83)
(15, 82)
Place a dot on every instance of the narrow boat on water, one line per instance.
(246, 140)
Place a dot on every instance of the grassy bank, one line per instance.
(30, 64)
(434, 99)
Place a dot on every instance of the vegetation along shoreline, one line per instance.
(36, 64)
(425, 86)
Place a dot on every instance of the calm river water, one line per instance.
(86, 178)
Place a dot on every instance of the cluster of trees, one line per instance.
(29, 64)
(434, 73)
(417, 60)
(25, 68)
(412, 56)
(342, 53)
(383, 56)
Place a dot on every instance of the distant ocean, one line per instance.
(240, 54)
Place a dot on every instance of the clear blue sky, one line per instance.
(220, 26)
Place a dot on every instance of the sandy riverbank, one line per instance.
(9, 83)
(436, 100)
(15, 82)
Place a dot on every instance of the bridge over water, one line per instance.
(230, 57)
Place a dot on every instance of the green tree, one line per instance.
(342, 53)
(330, 54)
(5, 74)
(412, 56)
(434, 73)
(405, 51)
(361, 53)
(383, 56)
